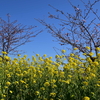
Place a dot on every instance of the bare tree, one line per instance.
(79, 29)
(13, 35)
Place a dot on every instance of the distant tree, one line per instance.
(14, 35)
(80, 29)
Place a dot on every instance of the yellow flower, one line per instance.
(42, 88)
(6, 87)
(46, 84)
(91, 53)
(37, 92)
(16, 82)
(71, 54)
(98, 85)
(3, 52)
(18, 55)
(84, 54)
(98, 49)
(37, 55)
(53, 81)
(7, 58)
(10, 91)
(50, 57)
(85, 83)
(67, 81)
(87, 47)
(1, 99)
(22, 81)
(54, 86)
(8, 83)
(63, 51)
(57, 56)
(88, 69)
(95, 63)
(44, 55)
(4, 95)
(53, 94)
(75, 48)
(8, 75)
(86, 98)
(69, 76)
(51, 99)
(92, 75)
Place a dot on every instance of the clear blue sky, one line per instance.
(25, 11)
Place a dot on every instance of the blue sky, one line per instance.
(25, 11)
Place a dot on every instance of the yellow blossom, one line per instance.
(92, 75)
(75, 48)
(44, 55)
(46, 84)
(3, 52)
(98, 49)
(10, 91)
(37, 55)
(63, 51)
(18, 55)
(53, 94)
(86, 98)
(37, 92)
(8, 83)
(91, 53)
(87, 47)
(85, 83)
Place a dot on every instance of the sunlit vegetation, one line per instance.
(41, 78)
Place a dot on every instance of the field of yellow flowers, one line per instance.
(41, 78)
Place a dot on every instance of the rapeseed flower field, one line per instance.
(41, 78)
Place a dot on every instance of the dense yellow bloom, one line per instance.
(44, 76)
(86, 98)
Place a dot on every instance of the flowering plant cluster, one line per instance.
(44, 79)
